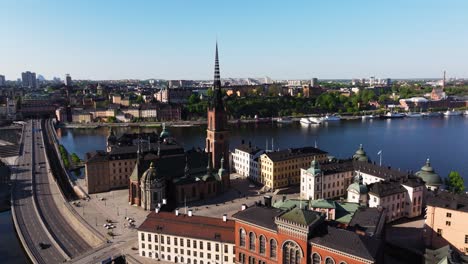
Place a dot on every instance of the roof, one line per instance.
(369, 220)
(349, 242)
(293, 153)
(386, 188)
(345, 211)
(259, 215)
(428, 175)
(96, 156)
(321, 203)
(301, 216)
(444, 199)
(336, 167)
(382, 172)
(197, 227)
(249, 149)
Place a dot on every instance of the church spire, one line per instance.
(217, 76)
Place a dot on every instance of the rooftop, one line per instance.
(386, 188)
(290, 153)
(368, 220)
(198, 227)
(448, 200)
(259, 215)
(302, 217)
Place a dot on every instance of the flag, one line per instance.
(380, 152)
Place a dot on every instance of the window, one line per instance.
(242, 237)
(439, 232)
(201, 244)
(226, 249)
(449, 215)
(162, 239)
(329, 260)
(181, 243)
(188, 242)
(252, 241)
(142, 237)
(149, 237)
(447, 223)
(168, 240)
(208, 245)
(262, 244)
(316, 258)
(292, 253)
(466, 239)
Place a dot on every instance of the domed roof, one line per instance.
(428, 175)
(314, 168)
(150, 175)
(357, 186)
(164, 133)
(360, 154)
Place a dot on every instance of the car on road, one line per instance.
(43, 245)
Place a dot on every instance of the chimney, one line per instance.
(284, 198)
(159, 205)
(267, 200)
(190, 213)
(224, 217)
(177, 211)
(243, 207)
(156, 210)
(164, 201)
(242, 142)
(250, 144)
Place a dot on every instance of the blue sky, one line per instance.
(282, 39)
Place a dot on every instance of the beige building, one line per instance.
(447, 221)
(186, 238)
(81, 117)
(280, 169)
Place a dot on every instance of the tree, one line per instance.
(454, 182)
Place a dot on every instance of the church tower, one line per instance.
(217, 134)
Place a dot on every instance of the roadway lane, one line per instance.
(70, 240)
(26, 216)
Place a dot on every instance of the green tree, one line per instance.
(455, 183)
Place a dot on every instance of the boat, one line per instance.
(305, 121)
(413, 115)
(466, 112)
(368, 116)
(328, 118)
(315, 120)
(284, 120)
(393, 115)
(431, 114)
(452, 113)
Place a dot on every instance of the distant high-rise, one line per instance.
(68, 80)
(29, 79)
(372, 81)
(314, 83)
(2, 80)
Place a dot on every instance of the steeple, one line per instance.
(217, 76)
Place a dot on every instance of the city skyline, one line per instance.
(100, 41)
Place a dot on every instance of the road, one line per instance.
(27, 218)
(70, 240)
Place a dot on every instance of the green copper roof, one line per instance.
(314, 168)
(164, 133)
(345, 211)
(360, 154)
(322, 203)
(428, 175)
(357, 185)
(300, 216)
(291, 203)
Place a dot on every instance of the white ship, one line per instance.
(328, 118)
(368, 116)
(413, 115)
(315, 120)
(305, 121)
(452, 113)
(284, 120)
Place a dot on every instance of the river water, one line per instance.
(10, 247)
(405, 143)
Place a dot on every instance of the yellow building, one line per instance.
(280, 169)
(447, 221)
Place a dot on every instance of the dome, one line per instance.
(357, 186)
(360, 154)
(428, 175)
(314, 168)
(149, 175)
(164, 133)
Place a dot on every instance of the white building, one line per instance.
(186, 238)
(245, 161)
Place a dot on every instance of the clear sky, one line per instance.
(175, 39)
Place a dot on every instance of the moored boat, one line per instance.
(413, 115)
(392, 115)
(305, 121)
(328, 118)
(315, 120)
(452, 113)
(368, 116)
(284, 120)
(466, 112)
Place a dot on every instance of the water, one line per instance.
(10, 247)
(405, 143)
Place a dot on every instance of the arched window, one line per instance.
(342, 262)
(316, 258)
(292, 253)
(262, 244)
(242, 237)
(252, 241)
(176, 260)
(273, 246)
(329, 260)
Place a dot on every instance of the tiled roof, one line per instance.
(349, 242)
(336, 167)
(368, 220)
(197, 227)
(249, 149)
(293, 153)
(259, 215)
(386, 188)
(382, 172)
(448, 200)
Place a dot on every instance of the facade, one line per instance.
(268, 235)
(81, 117)
(178, 96)
(283, 168)
(149, 111)
(28, 79)
(245, 160)
(446, 218)
(187, 238)
(325, 181)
